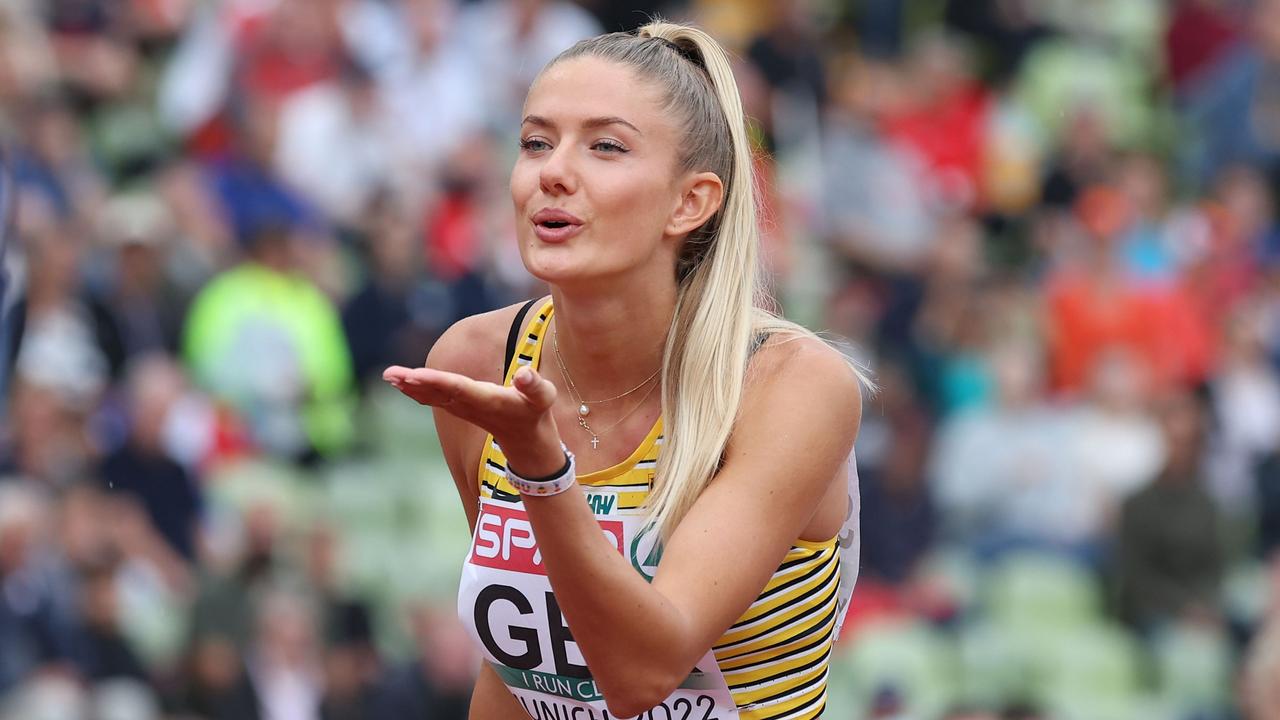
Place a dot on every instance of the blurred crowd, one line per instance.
(1049, 227)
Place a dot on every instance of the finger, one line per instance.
(427, 386)
(395, 374)
(537, 390)
(426, 377)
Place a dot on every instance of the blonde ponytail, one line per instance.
(719, 306)
(708, 346)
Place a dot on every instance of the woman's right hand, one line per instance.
(518, 416)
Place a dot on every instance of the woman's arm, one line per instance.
(469, 348)
(491, 700)
(794, 433)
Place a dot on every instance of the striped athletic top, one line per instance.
(772, 663)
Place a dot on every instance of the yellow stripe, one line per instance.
(793, 645)
(779, 665)
(760, 608)
(785, 708)
(808, 626)
(823, 583)
(781, 687)
(631, 500)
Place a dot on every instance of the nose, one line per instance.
(558, 176)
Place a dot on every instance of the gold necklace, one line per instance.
(583, 405)
(595, 436)
(583, 409)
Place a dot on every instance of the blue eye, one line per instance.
(534, 145)
(609, 146)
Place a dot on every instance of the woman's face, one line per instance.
(596, 185)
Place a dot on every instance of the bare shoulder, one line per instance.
(474, 346)
(795, 362)
(800, 371)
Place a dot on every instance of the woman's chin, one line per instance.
(555, 265)
(555, 273)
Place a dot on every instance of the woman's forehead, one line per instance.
(576, 90)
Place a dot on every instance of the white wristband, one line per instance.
(553, 485)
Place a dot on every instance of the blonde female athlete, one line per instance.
(682, 458)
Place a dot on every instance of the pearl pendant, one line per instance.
(583, 409)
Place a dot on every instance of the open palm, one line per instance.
(504, 411)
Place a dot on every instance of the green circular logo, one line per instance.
(648, 545)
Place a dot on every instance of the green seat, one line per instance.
(914, 659)
(1101, 659)
(1087, 672)
(1193, 666)
(1063, 668)
(392, 425)
(244, 484)
(154, 620)
(997, 665)
(1062, 76)
(1034, 588)
(1246, 591)
(357, 494)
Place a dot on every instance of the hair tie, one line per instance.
(682, 52)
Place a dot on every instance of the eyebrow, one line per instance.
(595, 122)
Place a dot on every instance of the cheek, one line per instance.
(524, 180)
(643, 203)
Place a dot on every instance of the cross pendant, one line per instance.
(595, 442)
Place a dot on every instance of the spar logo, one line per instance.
(504, 540)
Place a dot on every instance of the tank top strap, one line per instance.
(529, 346)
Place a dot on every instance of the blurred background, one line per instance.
(1048, 226)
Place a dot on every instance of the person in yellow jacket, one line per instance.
(267, 342)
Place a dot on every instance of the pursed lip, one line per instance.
(555, 215)
(554, 225)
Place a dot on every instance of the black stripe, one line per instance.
(793, 563)
(792, 651)
(797, 620)
(496, 493)
(817, 570)
(820, 697)
(495, 466)
(515, 333)
(528, 358)
(793, 671)
(790, 603)
(789, 691)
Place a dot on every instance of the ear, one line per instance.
(700, 197)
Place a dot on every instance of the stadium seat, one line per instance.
(395, 426)
(255, 483)
(1039, 588)
(905, 656)
(1193, 666)
(996, 667)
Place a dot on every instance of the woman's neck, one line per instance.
(610, 341)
